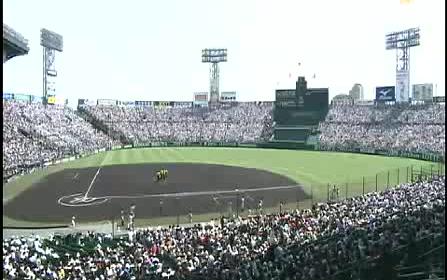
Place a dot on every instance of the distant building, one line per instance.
(342, 99)
(356, 92)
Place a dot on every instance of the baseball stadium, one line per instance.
(301, 187)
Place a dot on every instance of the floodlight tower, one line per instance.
(51, 42)
(214, 56)
(402, 42)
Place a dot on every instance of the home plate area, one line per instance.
(100, 193)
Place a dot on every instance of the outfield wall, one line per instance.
(291, 146)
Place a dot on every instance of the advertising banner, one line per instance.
(182, 104)
(143, 103)
(201, 98)
(126, 103)
(88, 102)
(228, 96)
(384, 94)
(22, 97)
(163, 104)
(402, 87)
(8, 96)
(106, 102)
(438, 99)
(423, 92)
(364, 102)
(36, 99)
(51, 99)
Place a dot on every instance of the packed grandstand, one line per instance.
(34, 134)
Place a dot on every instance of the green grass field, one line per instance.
(353, 173)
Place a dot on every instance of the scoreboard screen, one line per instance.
(293, 116)
(285, 94)
(301, 109)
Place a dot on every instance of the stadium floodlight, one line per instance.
(402, 42)
(403, 39)
(214, 56)
(51, 42)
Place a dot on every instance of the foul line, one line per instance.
(87, 201)
(91, 183)
(186, 194)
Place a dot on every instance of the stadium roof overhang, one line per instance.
(14, 44)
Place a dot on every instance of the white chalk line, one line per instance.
(91, 183)
(102, 199)
(80, 200)
(183, 194)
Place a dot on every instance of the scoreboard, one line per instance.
(301, 106)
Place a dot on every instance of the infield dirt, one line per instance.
(189, 187)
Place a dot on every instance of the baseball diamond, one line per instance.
(116, 187)
(201, 180)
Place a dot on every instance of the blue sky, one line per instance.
(151, 50)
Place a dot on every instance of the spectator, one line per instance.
(304, 244)
(398, 128)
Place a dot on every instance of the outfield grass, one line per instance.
(353, 173)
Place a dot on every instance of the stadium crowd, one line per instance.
(404, 128)
(34, 134)
(318, 243)
(242, 123)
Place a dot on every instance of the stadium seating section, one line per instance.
(34, 134)
(395, 234)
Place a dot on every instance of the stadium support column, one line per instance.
(388, 180)
(312, 194)
(376, 182)
(237, 203)
(178, 210)
(363, 185)
(113, 227)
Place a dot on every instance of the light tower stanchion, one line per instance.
(214, 56)
(402, 42)
(51, 42)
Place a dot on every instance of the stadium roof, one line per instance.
(14, 44)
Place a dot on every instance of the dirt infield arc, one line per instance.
(96, 194)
